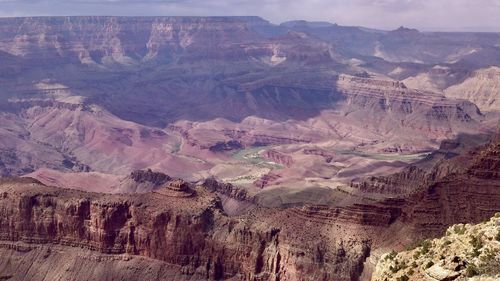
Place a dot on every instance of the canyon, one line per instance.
(232, 148)
(40, 223)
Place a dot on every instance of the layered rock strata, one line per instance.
(191, 233)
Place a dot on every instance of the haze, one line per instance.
(427, 15)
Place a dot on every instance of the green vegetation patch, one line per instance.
(251, 156)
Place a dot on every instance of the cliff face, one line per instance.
(447, 188)
(213, 83)
(481, 88)
(190, 232)
(468, 196)
(130, 41)
(387, 101)
(186, 228)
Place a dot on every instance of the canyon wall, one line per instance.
(189, 232)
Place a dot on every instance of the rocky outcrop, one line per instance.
(185, 226)
(460, 156)
(227, 189)
(176, 188)
(156, 178)
(278, 157)
(359, 214)
(465, 251)
(320, 152)
(395, 99)
(463, 188)
(188, 232)
(225, 146)
(266, 180)
(481, 88)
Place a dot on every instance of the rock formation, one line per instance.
(190, 233)
(195, 148)
(187, 228)
(465, 251)
(481, 88)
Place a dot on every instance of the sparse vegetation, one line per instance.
(477, 241)
(426, 246)
(471, 270)
(473, 252)
(489, 263)
(391, 255)
(477, 244)
(398, 266)
(459, 229)
(416, 255)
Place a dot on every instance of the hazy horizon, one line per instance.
(425, 15)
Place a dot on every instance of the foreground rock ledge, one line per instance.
(98, 236)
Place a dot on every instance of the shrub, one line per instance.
(471, 270)
(410, 272)
(403, 265)
(394, 269)
(391, 255)
(459, 229)
(497, 237)
(446, 243)
(476, 242)
(416, 255)
(429, 264)
(489, 263)
(398, 266)
(426, 246)
(475, 253)
(414, 245)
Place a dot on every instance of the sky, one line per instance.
(426, 15)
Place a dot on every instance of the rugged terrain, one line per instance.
(467, 252)
(182, 227)
(371, 139)
(185, 94)
(188, 227)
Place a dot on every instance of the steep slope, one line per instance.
(437, 78)
(481, 88)
(452, 188)
(186, 226)
(370, 117)
(177, 225)
(193, 97)
(19, 154)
